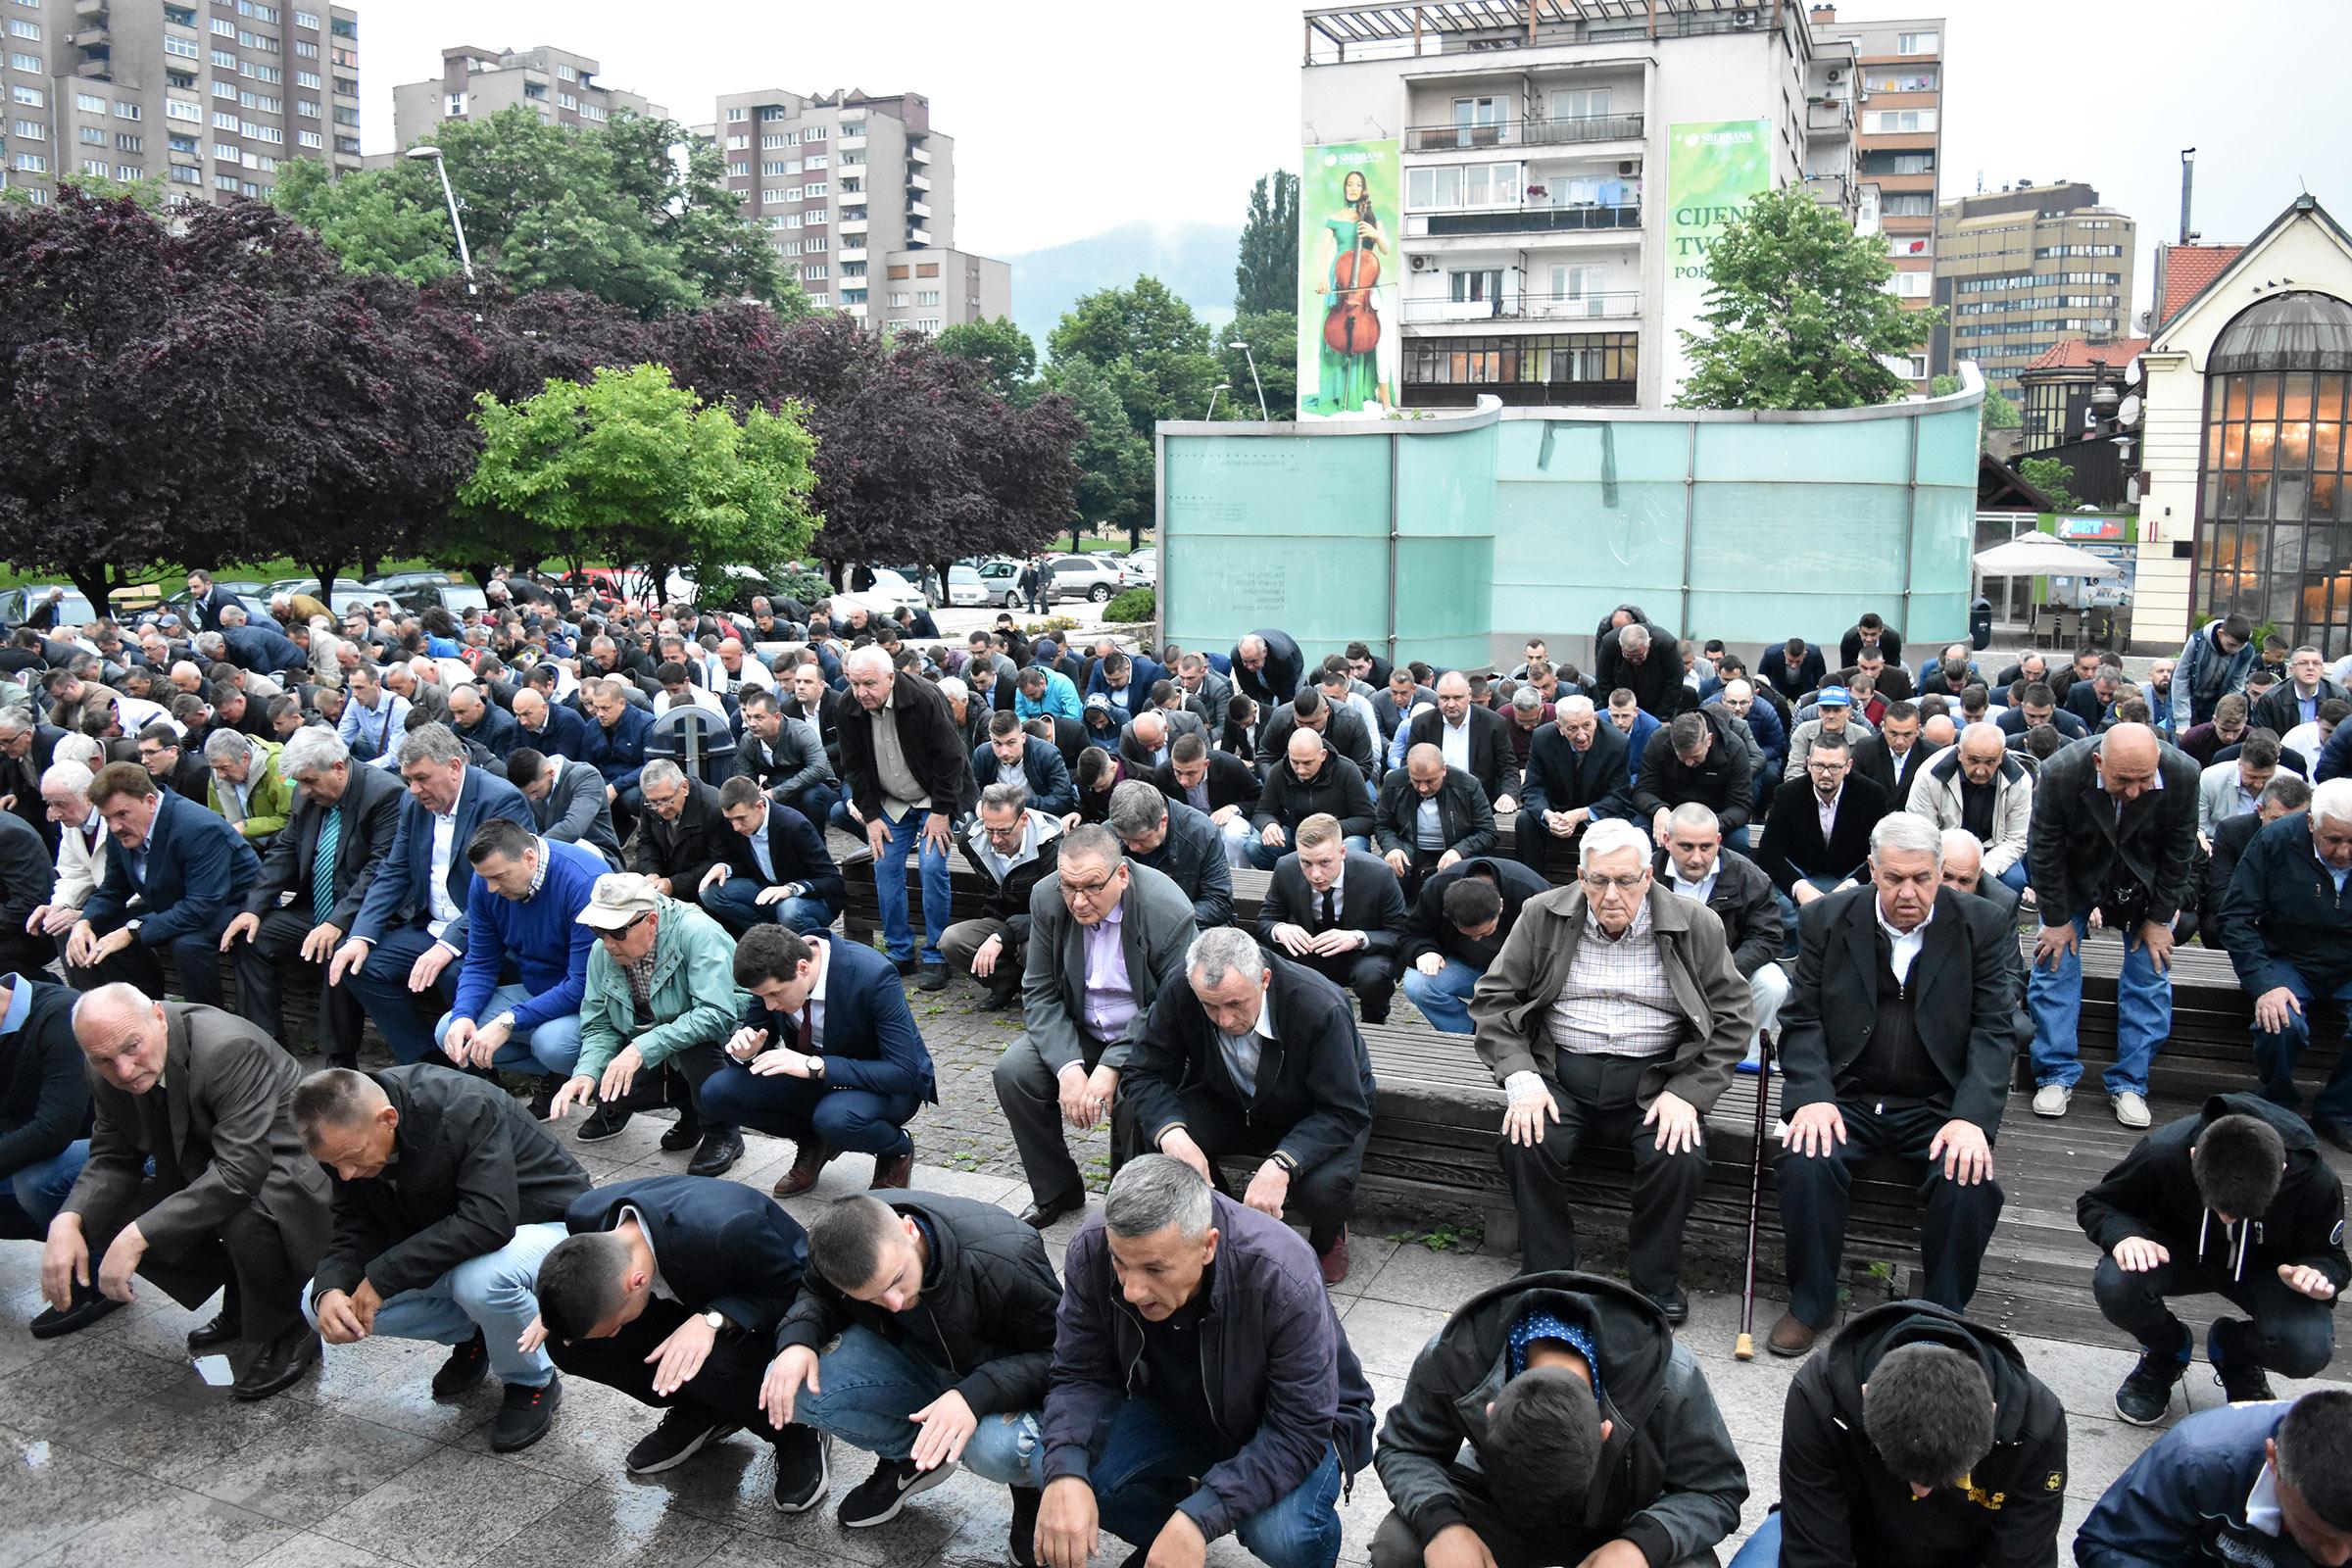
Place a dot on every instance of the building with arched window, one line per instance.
(2248, 482)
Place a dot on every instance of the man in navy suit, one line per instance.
(1013, 756)
(251, 645)
(672, 1289)
(206, 600)
(828, 1055)
(190, 871)
(776, 866)
(411, 924)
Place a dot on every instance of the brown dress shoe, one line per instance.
(893, 1170)
(1334, 1263)
(807, 1166)
(1792, 1336)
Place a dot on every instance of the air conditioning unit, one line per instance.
(1628, 165)
(1743, 18)
(1837, 77)
(1420, 264)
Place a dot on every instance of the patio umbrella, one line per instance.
(2040, 555)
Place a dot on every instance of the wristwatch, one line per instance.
(716, 1319)
(816, 1066)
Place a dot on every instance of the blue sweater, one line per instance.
(2183, 1500)
(541, 933)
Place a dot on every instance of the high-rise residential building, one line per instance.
(857, 192)
(1541, 255)
(1901, 143)
(563, 89)
(207, 98)
(2024, 268)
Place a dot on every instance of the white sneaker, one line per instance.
(2131, 1107)
(2050, 1100)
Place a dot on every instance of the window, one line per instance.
(222, 120)
(898, 296)
(1480, 286)
(814, 188)
(1897, 122)
(2077, 250)
(772, 142)
(225, 89)
(185, 48)
(21, 29)
(853, 269)
(815, 270)
(311, 138)
(737, 116)
(30, 97)
(926, 296)
(180, 15)
(1581, 103)
(31, 164)
(25, 62)
(1479, 121)
(31, 131)
(228, 152)
(770, 198)
(1907, 204)
(1456, 186)
(564, 100)
(1912, 285)
(223, 28)
(89, 103)
(814, 133)
(181, 109)
(305, 109)
(773, 168)
(305, 18)
(307, 79)
(269, 73)
(186, 175)
(1918, 43)
(819, 161)
(739, 171)
(1915, 78)
(93, 136)
(568, 73)
(225, 60)
(305, 49)
(346, 27)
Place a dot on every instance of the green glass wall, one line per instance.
(1459, 535)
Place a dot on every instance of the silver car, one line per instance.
(1086, 576)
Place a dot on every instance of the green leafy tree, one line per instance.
(1115, 463)
(1265, 279)
(1798, 314)
(1273, 338)
(1158, 361)
(630, 468)
(2053, 477)
(1011, 357)
(1999, 414)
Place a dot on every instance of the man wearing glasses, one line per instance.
(1613, 1012)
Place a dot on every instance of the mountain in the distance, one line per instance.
(1193, 259)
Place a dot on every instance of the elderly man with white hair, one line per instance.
(1896, 1039)
(2287, 922)
(1978, 784)
(82, 841)
(1613, 1012)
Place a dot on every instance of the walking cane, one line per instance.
(1745, 1347)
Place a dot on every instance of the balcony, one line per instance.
(1524, 221)
(918, 155)
(1835, 116)
(917, 180)
(1522, 394)
(97, 37)
(1527, 308)
(850, 253)
(851, 226)
(917, 236)
(1542, 132)
(850, 141)
(918, 209)
(100, 69)
(91, 10)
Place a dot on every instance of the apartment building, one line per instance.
(857, 192)
(2021, 269)
(1540, 253)
(209, 96)
(564, 89)
(1899, 146)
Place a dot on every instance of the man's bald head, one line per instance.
(2127, 761)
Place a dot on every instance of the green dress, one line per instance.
(1347, 381)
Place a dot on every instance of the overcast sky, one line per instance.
(1073, 116)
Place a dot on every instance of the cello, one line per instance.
(1353, 327)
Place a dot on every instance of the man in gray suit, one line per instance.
(1104, 935)
(567, 800)
(235, 1199)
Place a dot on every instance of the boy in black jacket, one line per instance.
(944, 1311)
(1952, 1456)
(2236, 1202)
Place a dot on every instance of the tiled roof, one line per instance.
(2076, 354)
(2188, 268)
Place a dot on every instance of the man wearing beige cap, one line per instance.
(660, 1001)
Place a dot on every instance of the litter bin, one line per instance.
(1980, 625)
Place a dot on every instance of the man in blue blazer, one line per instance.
(412, 925)
(1013, 756)
(1127, 680)
(190, 870)
(672, 1290)
(828, 1055)
(207, 600)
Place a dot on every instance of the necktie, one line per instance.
(323, 866)
(1329, 915)
(806, 1043)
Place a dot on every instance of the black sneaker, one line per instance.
(934, 977)
(802, 1476)
(1021, 1538)
(2147, 1394)
(720, 1148)
(878, 1498)
(683, 1134)
(2237, 1363)
(527, 1414)
(606, 1121)
(467, 1364)
(684, 1431)
(543, 1096)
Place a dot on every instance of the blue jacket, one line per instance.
(618, 753)
(870, 1039)
(2336, 759)
(2283, 912)
(542, 934)
(199, 869)
(723, 1247)
(1637, 741)
(496, 733)
(1141, 675)
(263, 647)
(401, 891)
(568, 734)
(1047, 774)
(2195, 667)
(2183, 1500)
(1060, 700)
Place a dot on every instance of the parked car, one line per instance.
(1000, 584)
(1144, 566)
(965, 587)
(73, 610)
(342, 601)
(891, 589)
(423, 590)
(1086, 576)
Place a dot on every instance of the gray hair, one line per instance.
(1093, 841)
(1136, 808)
(1224, 950)
(2333, 800)
(211, 644)
(431, 742)
(1569, 706)
(1608, 837)
(2285, 790)
(74, 779)
(77, 749)
(659, 774)
(953, 689)
(870, 657)
(312, 749)
(1152, 1192)
(1527, 698)
(224, 744)
(1696, 816)
(13, 721)
(1906, 834)
(1962, 840)
(1634, 635)
(1014, 793)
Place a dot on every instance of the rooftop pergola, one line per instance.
(1415, 27)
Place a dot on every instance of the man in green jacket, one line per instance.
(247, 787)
(660, 1001)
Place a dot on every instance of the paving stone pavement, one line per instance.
(112, 1450)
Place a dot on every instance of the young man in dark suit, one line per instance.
(190, 871)
(1339, 913)
(1217, 784)
(1817, 837)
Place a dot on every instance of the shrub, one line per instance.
(1136, 604)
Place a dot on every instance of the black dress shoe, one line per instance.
(278, 1365)
(467, 1364)
(1672, 1301)
(224, 1329)
(997, 1002)
(1039, 1216)
(934, 977)
(87, 1308)
(683, 1134)
(721, 1148)
(905, 966)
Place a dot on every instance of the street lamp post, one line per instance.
(424, 151)
(1221, 386)
(1237, 343)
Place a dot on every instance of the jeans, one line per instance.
(816, 803)
(1241, 843)
(1789, 909)
(1767, 991)
(2144, 1017)
(2014, 878)
(381, 984)
(30, 1198)
(1763, 1549)
(890, 883)
(1444, 998)
(735, 905)
(493, 1293)
(871, 1386)
(2296, 1334)
(2274, 1057)
(551, 1046)
(1148, 1464)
